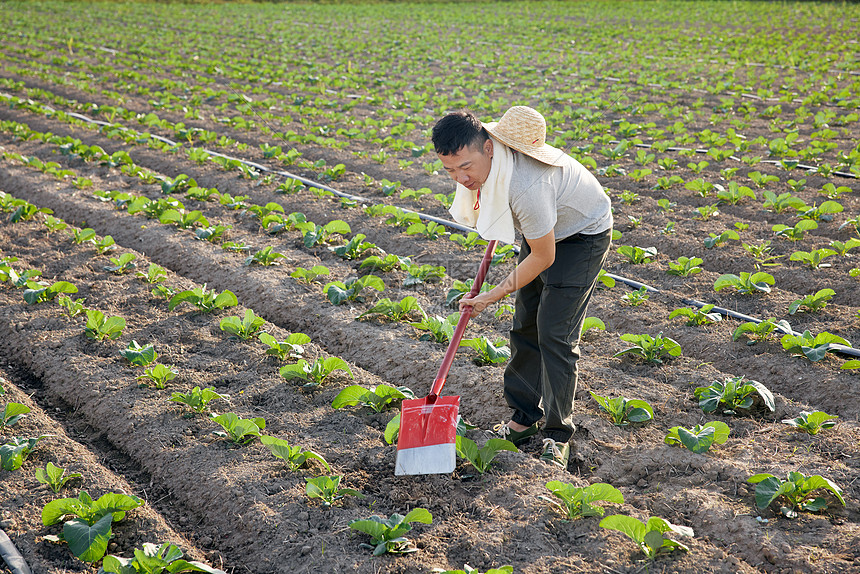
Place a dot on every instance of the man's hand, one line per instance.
(478, 303)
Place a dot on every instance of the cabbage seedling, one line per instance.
(12, 413)
(377, 398)
(638, 255)
(623, 411)
(154, 559)
(41, 294)
(467, 242)
(796, 489)
(576, 502)
(198, 399)
(100, 327)
(205, 301)
(242, 328)
(795, 233)
(812, 422)
(591, 323)
(685, 266)
(350, 290)
(89, 532)
(159, 375)
(652, 349)
(717, 240)
(696, 317)
(746, 283)
(308, 275)
(314, 374)
(699, 438)
(812, 347)
(733, 393)
(439, 330)
(761, 331)
(154, 274)
(386, 535)
(483, 457)
(55, 477)
(395, 311)
(400, 218)
(813, 302)
(15, 452)
(105, 244)
(320, 234)
(423, 273)
(264, 256)
(469, 570)
(813, 259)
(295, 456)
(355, 248)
(291, 348)
(240, 431)
(386, 263)
(431, 230)
(489, 352)
(139, 356)
(121, 264)
(327, 489)
(73, 307)
(649, 536)
(460, 288)
(638, 297)
(212, 234)
(54, 224)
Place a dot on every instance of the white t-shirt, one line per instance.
(566, 199)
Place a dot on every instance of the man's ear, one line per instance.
(488, 147)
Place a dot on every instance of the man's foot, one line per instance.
(555, 452)
(517, 437)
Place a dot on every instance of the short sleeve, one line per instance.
(534, 208)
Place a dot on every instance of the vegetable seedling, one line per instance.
(481, 458)
(264, 256)
(638, 255)
(638, 297)
(386, 263)
(812, 422)
(761, 331)
(419, 274)
(746, 283)
(154, 559)
(12, 413)
(623, 411)
(99, 327)
(649, 536)
(652, 349)
(15, 452)
(813, 302)
(797, 490)
(105, 244)
(489, 352)
(42, 294)
(685, 266)
(240, 431)
(295, 456)
(592, 323)
(733, 393)
(395, 311)
(386, 535)
(351, 290)
(438, 329)
(290, 348)
(139, 356)
(198, 399)
(699, 438)
(577, 502)
(812, 347)
(314, 374)
(121, 264)
(309, 275)
(159, 375)
(697, 317)
(154, 274)
(244, 328)
(354, 248)
(205, 301)
(55, 477)
(320, 234)
(812, 259)
(328, 490)
(89, 532)
(377, 398)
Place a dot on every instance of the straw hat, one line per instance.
(524, 129)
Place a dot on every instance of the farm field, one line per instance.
(154, 154)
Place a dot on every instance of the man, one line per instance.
(509, 178)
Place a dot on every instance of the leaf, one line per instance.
(88, 543)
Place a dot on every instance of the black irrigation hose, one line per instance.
(453, 225)
(12, 557)
(729, 313)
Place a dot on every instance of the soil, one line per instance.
(241, 509)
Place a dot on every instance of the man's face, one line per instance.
(471, 165)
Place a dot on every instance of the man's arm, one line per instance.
(538, 260)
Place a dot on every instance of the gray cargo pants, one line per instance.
(540, 379)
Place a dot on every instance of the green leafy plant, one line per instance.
(797, 491)
(377, 398)
(264, 256)
(154, 274)
(460, 288)
(623, 411)
(638, 297)
(695, 317)
(467, 242)
(650, 537)
(717, 240)
(12, 413)
(812, 347)
(699, 438)
(315, 374)
(351, 289)
(154, 559)
(212, 233)
(100, 327)
(761, 331)
(489, 352)
(842, 248)
(813, 302)
(42, 294)
(205, 301)
(685, 266)
(289, 348)
(781, 202)
(746, 283)
(328, 490)
(243, 328)
(79, 236)
(309, 275)
(158, 374)
(398, 311)
(576, 502)
(707, 212)
(592, 323)
(15, 452)
(430, 230)
(354, 248)
(795, 233)
(481, 458)
(197, 399)
(419, 274)
(469, 570)
(438, 329)
(139, 356)
(762, 254)
(54, 224)
(652, 349)
(387, 534)
(733, 393)
(823, 212)
(55, 477)
(295, 456)
(813, 259)
(386, 263)
(121, 264)
(812, 422)
(321, 234)
(105, 244)
(89, 532)
(638, 255)
(240, 431)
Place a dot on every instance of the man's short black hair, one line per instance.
(458, 130)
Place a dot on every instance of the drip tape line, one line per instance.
(12, 557)
(453, 225)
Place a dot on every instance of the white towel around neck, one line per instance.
(493, 218)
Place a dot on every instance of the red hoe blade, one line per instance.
(428, 426)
